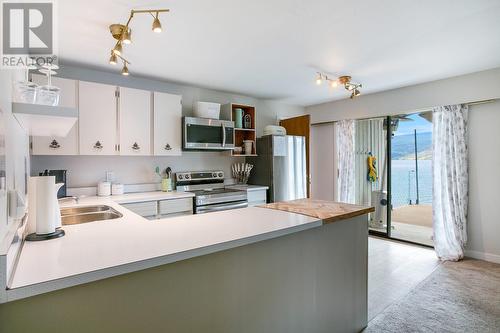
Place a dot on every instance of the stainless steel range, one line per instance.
(209, 190)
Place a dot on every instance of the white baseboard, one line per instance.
(483, 256)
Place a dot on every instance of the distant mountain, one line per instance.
(403, 146)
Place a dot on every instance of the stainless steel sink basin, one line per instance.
(77, 215)
(85, 209)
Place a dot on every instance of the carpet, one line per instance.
(457, 297)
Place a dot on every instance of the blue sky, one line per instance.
(418, 123)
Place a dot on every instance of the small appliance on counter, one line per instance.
(44, 216)
(210, 193)
(117, 189)
(104, 189)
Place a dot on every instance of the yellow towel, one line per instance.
(372, 169)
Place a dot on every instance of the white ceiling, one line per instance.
(272, 48)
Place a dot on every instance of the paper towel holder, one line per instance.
(35, 237)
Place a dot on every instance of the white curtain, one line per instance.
(450, 180)
(345, 148)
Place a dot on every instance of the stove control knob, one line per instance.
(220, 175)
(186, 176)
(214, 175)
(181, 176)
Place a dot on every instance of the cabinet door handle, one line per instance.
(135, 146)
(54, 144)
(98, 145)
(167, 147)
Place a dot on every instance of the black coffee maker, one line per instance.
(60, 178)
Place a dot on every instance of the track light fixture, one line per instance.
(123, 34)
(344, 80)
(125, 69)
(113, 58)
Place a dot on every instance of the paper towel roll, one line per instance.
(45, 213)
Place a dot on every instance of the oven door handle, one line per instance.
(219, 207)
(223, 135)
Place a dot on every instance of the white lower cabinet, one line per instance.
(162, 208)
(257, 197)
(148, 209)
(176, 207)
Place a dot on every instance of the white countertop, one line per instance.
(97, 250)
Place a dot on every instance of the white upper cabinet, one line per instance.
(97, 109)
(68, 145)
(167, 112)
(135, 122)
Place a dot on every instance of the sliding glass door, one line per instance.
(393, 174)
(411, 178)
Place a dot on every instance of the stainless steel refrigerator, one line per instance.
(280, 164)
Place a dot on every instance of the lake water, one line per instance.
(404, 184)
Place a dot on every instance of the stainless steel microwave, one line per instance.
(207, 134)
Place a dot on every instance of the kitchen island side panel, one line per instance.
(311, 281)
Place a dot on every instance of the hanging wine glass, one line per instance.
(25, 91)
(48, 94)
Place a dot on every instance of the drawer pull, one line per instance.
(135, 146)
(167, 147)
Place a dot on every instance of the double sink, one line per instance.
(77, 215)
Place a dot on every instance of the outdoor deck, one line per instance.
(412, 223)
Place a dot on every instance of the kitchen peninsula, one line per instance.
(256, 269)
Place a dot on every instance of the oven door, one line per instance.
(207, 134)
(220, 206)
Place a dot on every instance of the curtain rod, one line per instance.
(484, 101)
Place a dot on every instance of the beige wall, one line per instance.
(484, 144)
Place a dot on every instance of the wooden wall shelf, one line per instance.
(241, 133)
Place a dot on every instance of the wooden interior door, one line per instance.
(301, 126)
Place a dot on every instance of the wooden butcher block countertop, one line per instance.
(328, 211)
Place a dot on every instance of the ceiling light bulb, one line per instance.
(125, 69)
(118, 48)
(334, 84)
(156, 24)
(127, 36)
(112, 58)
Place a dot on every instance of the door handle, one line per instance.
(223, 135)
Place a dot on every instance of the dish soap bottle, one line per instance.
(166, 182)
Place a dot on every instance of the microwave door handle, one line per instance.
(223, 135)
